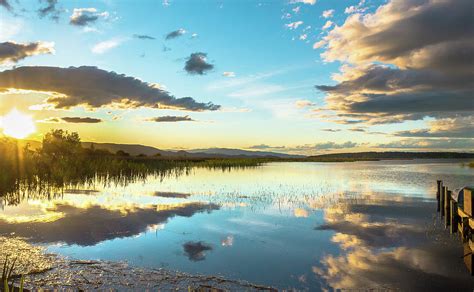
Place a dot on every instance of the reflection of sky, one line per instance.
(303, 225)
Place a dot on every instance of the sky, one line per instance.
(295, 76)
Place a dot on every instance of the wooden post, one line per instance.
(454, 217)
(465, 226)
(444, 190)
(439, 183)
(447, 208)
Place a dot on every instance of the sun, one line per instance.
(17, 125)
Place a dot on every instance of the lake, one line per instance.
(306, 226)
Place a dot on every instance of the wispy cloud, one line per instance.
(228, 74)
(143, 37)
(107, 45)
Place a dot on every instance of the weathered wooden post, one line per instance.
(444, 190)
(454, 217)
(447, 208)
(465, 229)
(438, 193)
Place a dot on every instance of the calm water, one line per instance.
(290, 225)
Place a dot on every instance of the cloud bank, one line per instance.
(408, 60)
(93, 88)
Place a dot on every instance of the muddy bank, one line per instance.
(51, 271)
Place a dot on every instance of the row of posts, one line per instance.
(448, 207)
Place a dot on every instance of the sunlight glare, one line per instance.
(17, 125)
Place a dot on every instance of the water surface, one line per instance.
(290, 225)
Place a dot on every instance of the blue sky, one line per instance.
(265, 68)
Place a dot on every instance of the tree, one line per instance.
(59, 144)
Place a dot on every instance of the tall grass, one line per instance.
(7, 279)
(61, 163)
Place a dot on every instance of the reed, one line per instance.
(61, 163)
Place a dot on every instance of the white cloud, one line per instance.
(319, 44)
(328, 13)
(310, 2)
(328, 24)
(303, 103)
(294, 25)
(303, 37)
(228, 74)
(105, 46)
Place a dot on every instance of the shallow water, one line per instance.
(289, 225)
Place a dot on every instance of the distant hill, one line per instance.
(394, 155)
(240, 152)
(135, 149)
(132, 149)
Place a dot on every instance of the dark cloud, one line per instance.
(94, 224)
(14, 52)
(86, 16)
(430, 103)
(143, 37)
(75, 120)
(81, 120)
(172, 195)
(196, 251)
(436, 22)
(165, 119)
(175, 34)
(357, 129)
(50, 9)
(427, 48)
(6, 5)
(93, 87)
(413, 94)
(264, 146)
(197, 64)
(377, 78)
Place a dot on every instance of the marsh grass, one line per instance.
(7, 276)
(63, 163)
